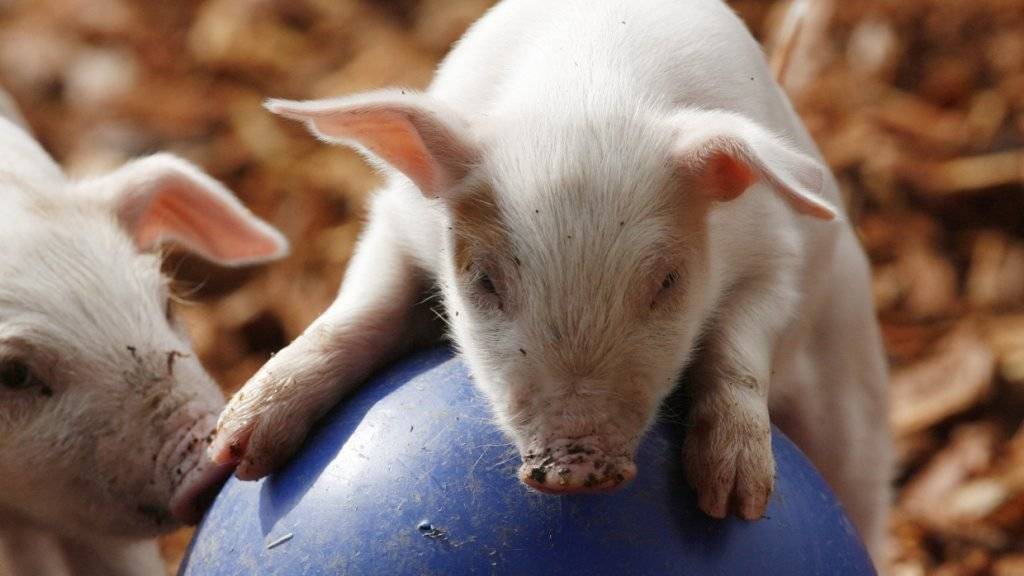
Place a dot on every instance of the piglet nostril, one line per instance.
(578, 477)
(573, 468)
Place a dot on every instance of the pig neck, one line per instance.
(26, 549)
(114, 557)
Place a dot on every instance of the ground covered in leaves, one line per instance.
(918, 105)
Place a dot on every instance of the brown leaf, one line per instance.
(966, 174)
(954, 378)
(969, 451)
(1009, 565)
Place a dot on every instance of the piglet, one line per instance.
(604, 193)
(105, 411)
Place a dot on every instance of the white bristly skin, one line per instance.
(605, 193)
(105, 411)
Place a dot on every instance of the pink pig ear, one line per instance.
(412, 132)
(163, 198)
(727, 153)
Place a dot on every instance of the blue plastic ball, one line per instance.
(411, 476)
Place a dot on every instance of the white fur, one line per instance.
(596, 126)
(110, 433)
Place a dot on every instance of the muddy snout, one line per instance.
(575, 466)
(195, 478)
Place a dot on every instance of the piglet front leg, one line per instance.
(371, 321)
(727, 451)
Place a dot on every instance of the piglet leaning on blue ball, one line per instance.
(605, 193)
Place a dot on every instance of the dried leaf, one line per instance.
(956, 377)
(969, 451)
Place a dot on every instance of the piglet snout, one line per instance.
(574, 466)
(197, 491)
(197, 478)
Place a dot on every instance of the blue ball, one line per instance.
(411, 476)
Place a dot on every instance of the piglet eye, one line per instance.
(15, 375)
(669, 281)
(486, 284)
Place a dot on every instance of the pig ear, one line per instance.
(414, 133)
(163, 198)
(727, 153)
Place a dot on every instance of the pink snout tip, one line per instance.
(575, 469)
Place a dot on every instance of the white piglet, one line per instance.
(605, 193)
(105, 411)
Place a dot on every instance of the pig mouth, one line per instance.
(197, 479)
(576, 466)
(198, 490)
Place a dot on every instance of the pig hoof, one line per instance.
(731, 467)
(266, 421)
(259, 444)
(260, 441)
(228, 447)
(264, 424)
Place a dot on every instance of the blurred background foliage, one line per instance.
(918, 106)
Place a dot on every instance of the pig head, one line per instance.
(577, 289)
(105, 411)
